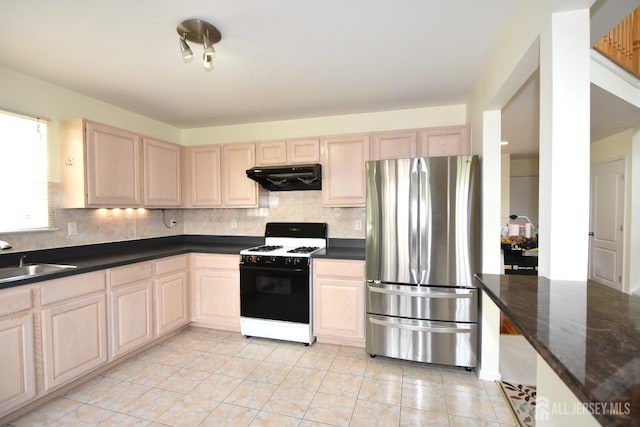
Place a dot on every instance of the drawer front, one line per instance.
(14, 301)
(339, 268)
(446, 343)
(424, 302)
(72, 286)
(171, 264)
(130, 273)
(217, 262)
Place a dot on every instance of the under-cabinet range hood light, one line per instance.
(288, 178)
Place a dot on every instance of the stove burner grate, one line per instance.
(265, 248)
(303, 250)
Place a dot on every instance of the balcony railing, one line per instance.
(622, 44)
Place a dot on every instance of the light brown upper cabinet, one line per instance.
(237, 189)
(445, 141)
(104, 166)
(162, 173)
(203, 177)
(216, 176)
(271, 153)
(343, 170)
(101, 165)
(394, 145)
(288, 152)
(301, 151)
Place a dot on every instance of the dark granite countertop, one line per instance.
(107, 255)
(588, 333)
(343, 249)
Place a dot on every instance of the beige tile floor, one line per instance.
(204, 377)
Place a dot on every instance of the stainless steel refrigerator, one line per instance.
(421, 254)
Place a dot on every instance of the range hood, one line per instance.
(288, 178)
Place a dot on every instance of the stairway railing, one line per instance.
(622, 44)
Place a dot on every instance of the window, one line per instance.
(24, 174)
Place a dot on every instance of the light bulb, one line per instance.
(186, 51)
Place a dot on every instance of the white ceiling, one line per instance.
(278, 59)
(281, 59)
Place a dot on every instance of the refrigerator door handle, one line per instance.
(458, 294)
(414, 220)
(423, 231)
(439, 330)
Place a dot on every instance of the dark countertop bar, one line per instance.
(588, 333)
(107, 255)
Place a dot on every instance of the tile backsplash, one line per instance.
(110, 225)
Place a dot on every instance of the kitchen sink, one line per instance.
(25, 271)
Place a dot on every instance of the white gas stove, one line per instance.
(275, 282)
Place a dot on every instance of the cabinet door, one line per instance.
(162, 171)
(343, 170)
(17, 366)
(205, 173)
(131, 316)
(394, 145)
(217, 298)
(445, 141)
(301, 151)
(113, 166)
(339, 302)
(271, 153)
(238, 189)
(172, 307)
(74, 339)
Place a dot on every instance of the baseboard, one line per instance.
(489, 376)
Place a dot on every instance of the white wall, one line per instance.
(524, 188)
(23, 94)
(318, 126)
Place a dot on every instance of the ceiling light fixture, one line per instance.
(198, 31)
(186, 51)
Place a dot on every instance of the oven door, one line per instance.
(275, 293)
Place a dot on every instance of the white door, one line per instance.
(607, 207)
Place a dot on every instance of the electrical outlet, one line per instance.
(357, 224)
(72, 228)
(234, 224)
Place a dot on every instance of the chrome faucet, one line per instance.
(22, 261)
(4, 245)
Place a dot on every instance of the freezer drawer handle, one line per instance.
(374, 288)
(421, 328)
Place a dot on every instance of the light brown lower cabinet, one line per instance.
(171, 293)
(17, 365)
(339, 301)
(216, 291)
(17, 362)
(74, 339)
(74, 327)
(131, 307)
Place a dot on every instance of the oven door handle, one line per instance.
(268, 268)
